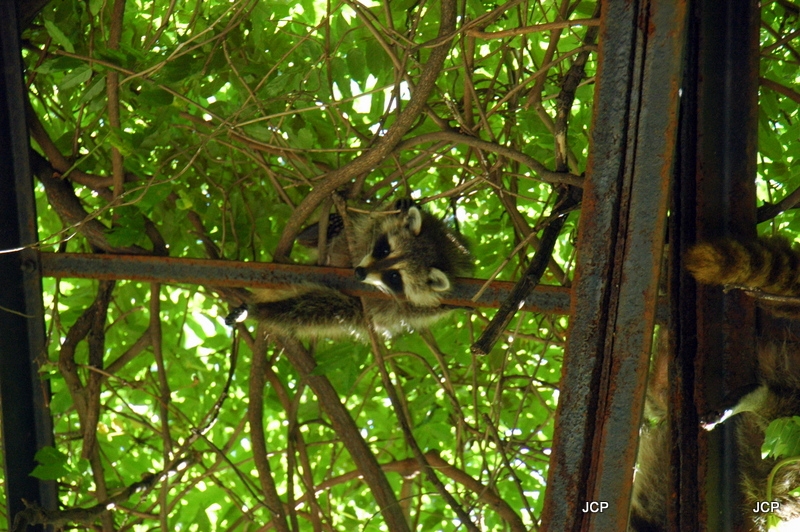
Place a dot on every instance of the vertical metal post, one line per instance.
(714, 332)
(26, 424)
(623, 223)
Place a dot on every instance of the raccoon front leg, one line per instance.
(308, 311)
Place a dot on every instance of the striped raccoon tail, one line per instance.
(307, 311)
(769, 264)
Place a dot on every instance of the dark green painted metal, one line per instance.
(26, 423)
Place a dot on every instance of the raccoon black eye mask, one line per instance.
(409, 254)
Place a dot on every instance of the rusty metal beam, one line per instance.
(619, 256)
(170, 270)
(714, 331)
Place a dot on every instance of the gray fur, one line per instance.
(777, 396)
(411, 255)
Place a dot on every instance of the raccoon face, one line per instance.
(402, 258)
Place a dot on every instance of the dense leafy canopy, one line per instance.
(192, 128)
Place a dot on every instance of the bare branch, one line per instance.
(382, 147)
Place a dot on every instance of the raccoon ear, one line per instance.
(404, 204)
(414, 220)
(438, 281)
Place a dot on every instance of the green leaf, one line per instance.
(782, 438)
(120, 140)
(357, 64)
(95, 90)
(80, 75)
(115, 57)
(184, 202)
(156, 97)
(278, 85)
(128, 227)
(52, 464)
(341, 76)
(180, 69)
(258, 132)
(60, 64)
(305, 139)
(378, 63)
(59, 36)
(155, 194)
(328, 365)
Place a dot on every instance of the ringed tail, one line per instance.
(769, 264)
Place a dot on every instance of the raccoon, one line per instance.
(767, 264)
(649, 500)
(773, 266)
(409, 254)
(776, 396)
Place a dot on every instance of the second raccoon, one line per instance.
(410, 254)
(773, 266)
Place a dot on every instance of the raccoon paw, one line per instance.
(712, 419)
(237, 315)
(309, 237)
(403, 204)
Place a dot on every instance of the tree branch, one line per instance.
(548, 176)
(255, 415)
(383, 146)
(348, 431)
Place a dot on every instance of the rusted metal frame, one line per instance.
(170, 270)
(681, 473)
(574, 427)
(619, 250)
(652, 143)
(26, 422)
(714, 331)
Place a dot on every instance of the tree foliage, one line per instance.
(195, 123)
(203, 128)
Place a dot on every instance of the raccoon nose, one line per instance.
(361, 273)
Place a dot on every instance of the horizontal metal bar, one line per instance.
(226, 273)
